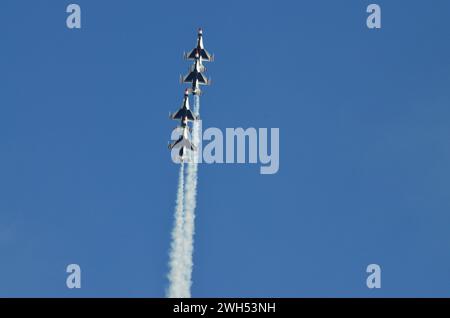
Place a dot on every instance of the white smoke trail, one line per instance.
(178, 287)
(190, 200)
(182, 246)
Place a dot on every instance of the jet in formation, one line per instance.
(184, 112)
(196, 77)
(200, 49)
(183, 143)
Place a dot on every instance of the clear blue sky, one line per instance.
(364, 118)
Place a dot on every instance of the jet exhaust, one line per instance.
(178, 286)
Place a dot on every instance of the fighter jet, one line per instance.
(196, 76)
(184, 113)
(200, 49)
(183, 143)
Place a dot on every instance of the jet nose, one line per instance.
(200, 31)
(186, 92)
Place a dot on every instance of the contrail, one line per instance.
(190, 200)
(178, 287)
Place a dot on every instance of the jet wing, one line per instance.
(177, 115)
(176, 144)
(202, 79)
(182, 142)
(189, 78)
(191, 55)
(206, 55)
(190, 115)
